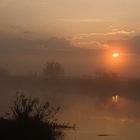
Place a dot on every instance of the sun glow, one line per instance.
(115, 98)
(115, 55)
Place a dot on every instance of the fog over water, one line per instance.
(86, 102)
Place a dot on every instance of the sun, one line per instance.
(115, 54)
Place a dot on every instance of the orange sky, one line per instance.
(89, 31)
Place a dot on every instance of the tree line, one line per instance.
(55, 70)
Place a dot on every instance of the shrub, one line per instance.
(29, 120)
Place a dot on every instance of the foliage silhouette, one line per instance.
(29, 120)
(53, 70)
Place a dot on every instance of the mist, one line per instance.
(84, 100)
(63, 52)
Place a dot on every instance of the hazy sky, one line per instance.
(81, 35)
(84, 33)
(61, 17)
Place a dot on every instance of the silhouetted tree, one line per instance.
(26, 108)
(29, 120)
(53, 70)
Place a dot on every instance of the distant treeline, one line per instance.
(54, 70)
(79, 85)
(53, 77)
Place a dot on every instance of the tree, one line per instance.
(31, 121)
(27, 108)
(53, 70)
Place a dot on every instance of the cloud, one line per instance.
(50, 45)
(15, 27)
(130, 45)
(86, 44)
(104, 135)
(28, 32)
(96, 40)
(123, 40)
(55, 43)
(21, 32)
(120, 32)
(83, 20)
(17, 45)
(111, 33)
